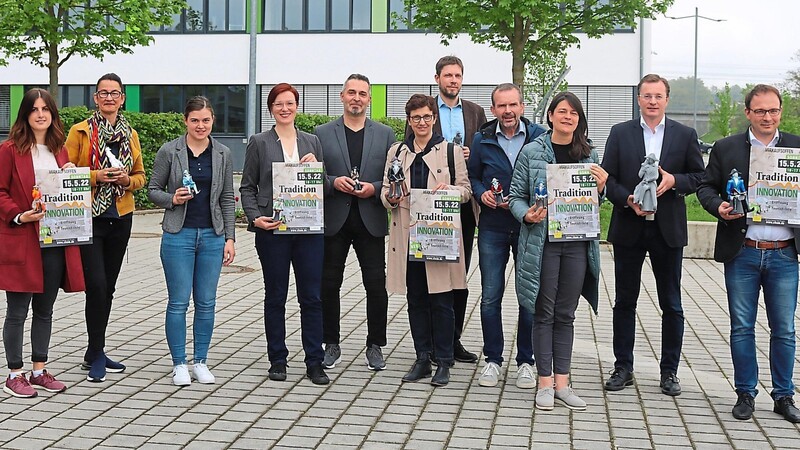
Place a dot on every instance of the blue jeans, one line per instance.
(493, 249)
(304, 253)
(776, 272)
(192, 260)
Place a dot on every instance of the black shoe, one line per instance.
(442, 376)
(277, 371)
(421, 369)
(785, 407)
(620, 378)
(317, 375)
(670, 385)
(745, 405)
(462, 355)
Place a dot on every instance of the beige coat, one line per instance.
(442, 276)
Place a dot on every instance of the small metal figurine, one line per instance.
(277, 210)
(189, 183)
(497, 191)
(644, 194)
(38, 204)
(737, 194)
(540, 194)
(458, 139)
(397, 179)
(355, 176)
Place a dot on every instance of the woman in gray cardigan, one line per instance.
(193, 180)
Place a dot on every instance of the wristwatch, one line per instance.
(18, 219)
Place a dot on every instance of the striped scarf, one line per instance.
(101, 133)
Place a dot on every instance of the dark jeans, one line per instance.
(102, 261)
(302, 251)
(17, 312)
(563, 269)
(493, 249)
(371, 254)
(666, 262)
(429, 315)
(460, 295)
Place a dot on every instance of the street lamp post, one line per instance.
(697, 18)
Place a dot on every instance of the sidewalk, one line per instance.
(365, 409)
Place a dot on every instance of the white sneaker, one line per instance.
(180, 375)
(525, 377)
(201, 373)
(489, 375)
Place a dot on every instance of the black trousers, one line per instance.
(102, 261)
(666, 262)
(371, 254)
(53, 264)
(429, 315)
(460, 295)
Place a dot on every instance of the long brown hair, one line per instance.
(581, 148)
(21, 133)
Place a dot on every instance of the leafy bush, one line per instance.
(307, 122)
(154, 130)
(398, 125)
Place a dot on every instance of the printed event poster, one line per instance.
(773, 186)
(297, 197)
(67, 196)
(435, 232)
(573, 211)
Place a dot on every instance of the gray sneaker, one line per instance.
(374, 358)
(525, 377)
(568, 397)
(544, 399)
(490, 375)
(333, 356)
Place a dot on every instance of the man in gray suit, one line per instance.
(355, 155)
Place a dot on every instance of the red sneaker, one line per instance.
(19, 387)
(47, 382)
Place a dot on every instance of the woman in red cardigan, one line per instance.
(31, 275)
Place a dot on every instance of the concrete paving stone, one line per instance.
(358, 430)
(247, 444)
(298, 441)
(140, 429)
(591, 445)
(346, 440)
(76, 443)
(627, 443)
(510, 440)
(198, 444)
(124, 441)
(27, 443)
(274, 423)
(671, 440)
(263, 433)
(394, 445)
(46, 433)
(20, 425)
(124, 412)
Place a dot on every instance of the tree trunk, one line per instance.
(518, 39)
(52, 67)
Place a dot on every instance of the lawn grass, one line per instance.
(694, 213)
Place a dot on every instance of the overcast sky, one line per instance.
(755, 44)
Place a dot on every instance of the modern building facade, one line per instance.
(315, 45)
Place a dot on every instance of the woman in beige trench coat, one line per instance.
(428, 285)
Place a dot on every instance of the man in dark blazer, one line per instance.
(635, 233)
(355, 146)
(755, 256)
(458, 121)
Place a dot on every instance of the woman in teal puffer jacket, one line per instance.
(551, 276)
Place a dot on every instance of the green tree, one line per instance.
(722, 113)
(50, 32)
(529, 27)
(681, 95)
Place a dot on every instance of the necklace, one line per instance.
(418, 147)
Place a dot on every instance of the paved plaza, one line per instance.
(365, 409)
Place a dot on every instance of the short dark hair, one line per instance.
(761, 89)
(448, 61)
(653, 78)
(418, 101)
(279, 89)
(21, 133)
(356, 76)
(197, 103)
(112, 77)
(508, 87)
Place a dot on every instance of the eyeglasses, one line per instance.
(427, 118)
(280, 105)
(650, 97)
(105, 94)
(763, 112)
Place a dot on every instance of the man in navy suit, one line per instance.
(356, 147)
(635, 233)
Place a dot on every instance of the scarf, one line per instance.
(101, 133)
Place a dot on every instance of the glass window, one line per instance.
(317, 15)
(216, 15)
(74, 96)
(237, 15)
(362, 15)
(150, 99)
(237, 109)
(229, 103)
(194, 15)
(172, 100)
(273, 15)
(340, 14)
(397, 8)
(293, 12)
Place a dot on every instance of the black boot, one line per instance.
(442, 376)
(421, 368)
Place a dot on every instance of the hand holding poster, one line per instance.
(435, 233)
(297, 192)
(67, 198)
(773, 186)
(573, 213)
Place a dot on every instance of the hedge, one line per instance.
(155, 129)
